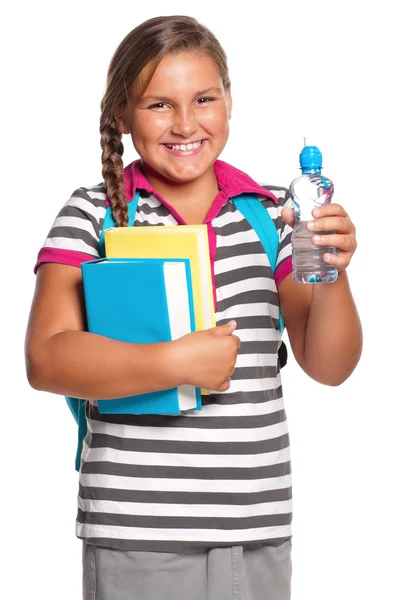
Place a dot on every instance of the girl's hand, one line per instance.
(206, 359)
(330, 217)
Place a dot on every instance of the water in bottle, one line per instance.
(308, 191)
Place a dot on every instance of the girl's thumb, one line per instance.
(226, 329)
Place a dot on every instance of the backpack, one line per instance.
(260, 220)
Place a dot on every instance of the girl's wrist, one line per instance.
(169, 364)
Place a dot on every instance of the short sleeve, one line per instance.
(74, 235)
(284, 257)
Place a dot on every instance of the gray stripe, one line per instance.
(74, 234)
(244, 274)
(148, 211)
(286, 241)
(154, 497)
(258, 322)
(256, 397)
(147, 223)
(99, 440)
(245, 248)
(254, 373)
(167, 472)
(232, 228)
(258, 347)
(277, 188)
(180, 421)
(183, 522)
(78, 213)
(82, 193)
(251, 297)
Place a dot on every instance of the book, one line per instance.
(179, 241)
(142, 301)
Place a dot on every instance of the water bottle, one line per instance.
(308, 191)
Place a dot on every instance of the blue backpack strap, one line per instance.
(260, 220)
(76, 405)
(109, 221)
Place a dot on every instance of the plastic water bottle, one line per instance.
(308, 191)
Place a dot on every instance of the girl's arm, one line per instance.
(63, 358)
(321, 319)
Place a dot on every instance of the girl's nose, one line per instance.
(184, 122)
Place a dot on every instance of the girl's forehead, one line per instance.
(180, 72)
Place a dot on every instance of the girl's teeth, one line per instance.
(183, 148)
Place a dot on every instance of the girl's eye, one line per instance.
(204, 100)
(158, 105)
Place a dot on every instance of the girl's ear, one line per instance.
(121, 124)
(229, 104)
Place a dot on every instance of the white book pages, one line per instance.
(175, 278)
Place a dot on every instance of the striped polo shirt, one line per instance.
(219, 476)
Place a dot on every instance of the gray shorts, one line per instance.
(254, 573)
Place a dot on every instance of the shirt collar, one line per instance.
(231, 181)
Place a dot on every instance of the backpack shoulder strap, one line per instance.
(260, 220)
(76, 405)
(109, 221)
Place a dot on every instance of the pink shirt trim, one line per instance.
(63, 257)
(283, 271)
(231, 181)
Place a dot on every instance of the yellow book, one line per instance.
(180, 241)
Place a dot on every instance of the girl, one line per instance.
(199, 504)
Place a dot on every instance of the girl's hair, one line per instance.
(149, 42)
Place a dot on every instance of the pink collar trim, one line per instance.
(231, 181)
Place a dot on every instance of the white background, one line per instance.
(325, 69)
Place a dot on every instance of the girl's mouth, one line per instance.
(185, 149)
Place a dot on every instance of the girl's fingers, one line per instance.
(341, 261)
(345, 243)
(340, 224)
(288, 216)
(330, 209)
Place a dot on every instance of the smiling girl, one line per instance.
(196, 505)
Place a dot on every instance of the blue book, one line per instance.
(143, 301)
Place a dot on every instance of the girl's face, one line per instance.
(180, 125)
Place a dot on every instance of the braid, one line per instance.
(112, 169)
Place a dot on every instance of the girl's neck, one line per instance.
(192, 199)
(171, 190)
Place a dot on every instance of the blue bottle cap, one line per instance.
(310, 158)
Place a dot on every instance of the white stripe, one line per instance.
(196, 461)
(274, 211)
(184, 485)
(192, 434)
(226, 292)
(258, 335)
(284, 253)
(261, 309)
(154, 219)
(183, 535)
(70, 244)
(186, 510)
(286, 230)
(234, 239)
(94, 195)
(227, 218)
(225, 265)
(76, 223)
(252, 385)
(84, 205)
(255, 360)
(243, 409)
